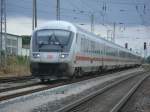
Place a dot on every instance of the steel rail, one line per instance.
(49, 86)
(117, 107)
(15, 79)
(17, 94)
(19, 87)
(74, 104)
(36, 83)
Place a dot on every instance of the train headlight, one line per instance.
(63, 55)
(36, 55)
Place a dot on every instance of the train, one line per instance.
(61, 49)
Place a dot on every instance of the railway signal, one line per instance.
(126, 45)
(92, 22)
(145, 47)
(34, 15)
(58, 10)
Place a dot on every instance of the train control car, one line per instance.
(60, 49)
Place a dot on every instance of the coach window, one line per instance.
(97, 49)
(108, 50)
(77, 38)
(81, 44)
(102, 49)
(87, 46)
(114, 51)
(92, 46)
(91, 49)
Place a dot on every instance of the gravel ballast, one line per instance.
(52, 99)
(140, 100)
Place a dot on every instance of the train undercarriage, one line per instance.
(55, 71)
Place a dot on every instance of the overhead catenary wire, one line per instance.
(75, 8)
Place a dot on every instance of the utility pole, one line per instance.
(114, 31)
(145, 49)
(92, 22)
(33, 18)
(58, 10)
(34, 14)
(3, 32)
(126, 45)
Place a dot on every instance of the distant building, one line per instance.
(14, 45)
(25, 50)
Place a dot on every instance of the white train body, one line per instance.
(63, 49)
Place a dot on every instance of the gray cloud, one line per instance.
(105, 11)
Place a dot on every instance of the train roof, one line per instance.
(72, 27)
(58, 25)
(110, 42)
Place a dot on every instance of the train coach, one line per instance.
(62, 49)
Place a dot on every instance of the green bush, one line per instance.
(148, 59)
(17, 60)
(15, 65)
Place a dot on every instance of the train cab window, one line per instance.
(87, 46)
(52, 40)
(92, 45)
(82, 44)
(77, 37)
(53, 36)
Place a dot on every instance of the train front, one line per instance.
(50, 53)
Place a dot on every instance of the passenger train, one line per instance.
(62, 49)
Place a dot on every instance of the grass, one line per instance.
(15, 66)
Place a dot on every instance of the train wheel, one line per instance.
(74, 74)
(99, 71)
(42, 80)
(79, 72)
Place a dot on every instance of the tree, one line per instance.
(26, 39)
(148, 59)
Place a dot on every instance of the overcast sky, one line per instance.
(131, 17)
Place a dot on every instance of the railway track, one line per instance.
(108, 99)
(8, 93)
(26, 78)
(7, 84)
(24, 91)
(18, 87)
(15, 79)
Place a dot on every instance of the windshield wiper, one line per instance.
(54, 40)
(41, 43)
